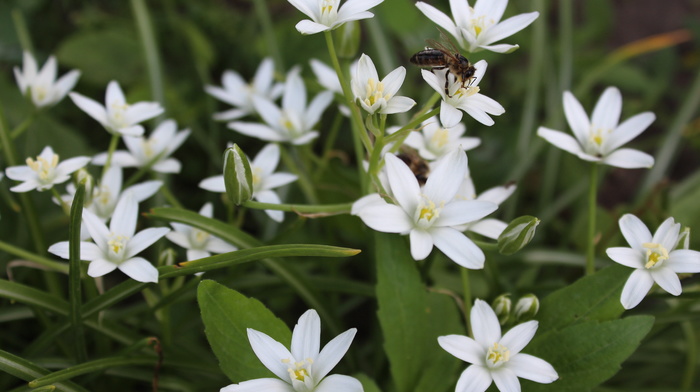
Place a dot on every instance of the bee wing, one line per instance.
(447, 40)
(439, 46)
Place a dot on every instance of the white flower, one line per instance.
(304, 367)
(598, 139)
(154, 150)
(198, 243)
(489, 227)
(379, 96)
(428, 215)
(459, 98)
(655, 259)
(42, 86)
(264, 179)
(328, 78)
(118, 245)
(327, 15)
(434, 141)
(496, 358)
(293, 122)
(44, 172)
(236, 92)
(479, 27)
(117, 116)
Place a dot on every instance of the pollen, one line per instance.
(375, 92)
(43, 168)
(440, 138)
(117, 244)
(497, 355)
(656, 254)
(427, 212)
(299, 370)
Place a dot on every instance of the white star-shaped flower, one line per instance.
(600, 138)
(429, 215)
(42, 86)
(239, 94)
(44, 172)
(496, 358)
(488, 227)
(116, 115)
(434, 141)
(480, 27)
(304, 367)
(656, 259)
(264, 179)
(376, 95)
(294, 121)
(154, 150)
(116, 246)
(328, 14)
(468, 98)
(198, 243)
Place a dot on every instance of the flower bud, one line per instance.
(502, 305)
(83, 176)
(348, 38)
(518, 234)
(684, 239)
(238, 177)
(526, 308)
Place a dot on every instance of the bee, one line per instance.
(416, 163)
(439, 56)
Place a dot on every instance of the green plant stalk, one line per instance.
(319, 209)
(466, 288)
(23, 126)
(263, 14)
(667, 153)
(150, 49)
(302, 175)
(90, 367)
(65, 207)
(25, 39)
(592, 204)
(110, 152)
(165, 191)
(398, 137)
(328, 145)
(26, 370)
(40, 260)
(691, 360)
(74, 287)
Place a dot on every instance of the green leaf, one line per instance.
(26, 370)
(407, 315)
(595, 297)
(226, 315)
(587, 353)
(74, 283)
(368, 385)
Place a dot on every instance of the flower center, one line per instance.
(440, 138)
(199, 238)
(329, 11)
(117, 247)
(44, 168)
(39, 93)
(596, 140)
(300, 373)
(103, 201)
(117, 115)
(257, 177)
(148, 148)
(427, 213)
(480, 23)
(656, 254)
(375, 93)
(497, 355)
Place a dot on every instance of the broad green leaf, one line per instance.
(411, 320)
(368, 385)
(588, 353)
(226, 315)
(595, 297)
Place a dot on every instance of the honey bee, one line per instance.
(439, 56)
(416, 163)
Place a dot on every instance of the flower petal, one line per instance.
(306, 338)
(450, 116)
(491, 228)
(458, 247)
(125, 215)
(506, 380)
(532, 368)
(628, 158)
(560, 140)
(267, 196)
(213, 184)
(144, 238)
(271, 353)
(421, 244)
(684, 261)
(474, 379)
(438, 17)
(507, 28)
(332, 353)
(398, 104)
(485, 325)
(91, 107)
(441, 186)
(403, 183)
(459, 212)
(635, 231)
(464, 348)
(267, 159)
(667, 280)
(667, 234)
(636, 288)
(628, 257)
(387, 218)
(629, 129)
(606, 114)
(140, 270)
(519, 336)
(260, 384)
(339, 383)
(100, 267)
(576, 117)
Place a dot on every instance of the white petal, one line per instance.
(125, 215)
(464, 348)
(217, 245)
(491, 228)
(560, 140)
(684, 261)
(294, 99)
(636, 288)
(306, 338)
(352, 7)
(532, 368)
(494, 9)
(213, 184)
(667, 280)
(458, 247)
(259, 131)
(72, 164)
(114, 94)
(485, 325)
(506, 380)
(144, 190)
(332, 353)
(100, 267)
(272, 198)
(441, 186)
(459, 212)
(271, 353)
(231, 114)
(26, 186)
(628, 257)
(519, 336)
(474, 379)
(305, 138)
(387, 218)
(96, 227)
(373, 199)
(398, 104)
(91, 107)
(478, 114)
(179, 238)
(317, 106)
(305, 7)
(628, 158)
(577, 117)
(497, 194)
(277, 180)
(140, 270)
(260, 384)
(145, 238)
(142, 111)
(438, 17)
(667, 234)
(338, 383)
(450, 116)
(508, 27)
(629, 129)
(88, 250)
(421, 244)
(403, 183)
(267, 159)
(635, 231)
(606, 114)
(500, 48)
(264, 76)
(20, 173)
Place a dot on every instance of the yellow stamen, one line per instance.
(440, 138)
(497, 355)
(656, 254)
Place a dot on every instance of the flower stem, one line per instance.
(263, 14)
(110, 151)
(592, 204)
(25, 39)
(23, 125)
(292, 161)
(308, 210)
(691, 357)
(64, 206)
(150, 49)
(467, 298)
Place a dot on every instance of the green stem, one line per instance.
(165, 191)
(25, 39)
(64, 206)
(319, 209)
(110, 151)
(592, 204)
(42, 261)
(399, 136)
(466, 287)
(263, 14)
(692, 356)
(293, 163)
(74, 286)
(91, 367)
(150, 49)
